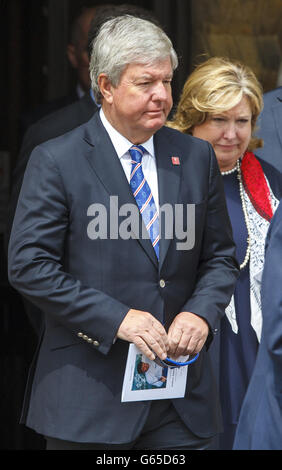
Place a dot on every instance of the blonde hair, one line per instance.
(216, 86)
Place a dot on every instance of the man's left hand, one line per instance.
(187, 335)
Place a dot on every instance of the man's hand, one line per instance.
(187, 335)
(146, 332)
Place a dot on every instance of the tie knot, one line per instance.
(137, 152)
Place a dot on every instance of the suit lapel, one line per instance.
(106, 165)
(169, 176)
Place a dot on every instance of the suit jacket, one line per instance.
(53, 125)
(270, 128)
(86, 287)
(260, 423)
(32, 116)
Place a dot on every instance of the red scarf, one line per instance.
(256, 186)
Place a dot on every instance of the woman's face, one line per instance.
(229, 133)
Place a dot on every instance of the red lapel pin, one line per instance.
(175, 160)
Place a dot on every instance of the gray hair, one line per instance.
(124, 40)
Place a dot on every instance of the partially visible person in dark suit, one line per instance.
(77, 53)
(77, 49)
(99, 294)
(270, 128)
(62, 121)
(260, 422)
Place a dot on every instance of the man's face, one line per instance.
(144, 367)
(141, 102)
(78, 52)
(229, 133)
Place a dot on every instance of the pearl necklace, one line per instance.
(228, 172)
(247, 222)
(241, 190)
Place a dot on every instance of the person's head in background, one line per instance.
(220, 103)
(77, 49)
(85, 28)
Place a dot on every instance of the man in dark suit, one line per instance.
(270, 128)
(66, 118)
(102, 287)
(260, 422)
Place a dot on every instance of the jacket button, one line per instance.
(162, 283)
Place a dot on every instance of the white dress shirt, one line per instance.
(122, 146)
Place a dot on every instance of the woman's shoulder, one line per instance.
(273, 175)
(269, 168)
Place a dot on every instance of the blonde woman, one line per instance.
(220, 103)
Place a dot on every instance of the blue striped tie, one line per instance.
(144, 197)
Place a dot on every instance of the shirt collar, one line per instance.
(121, 143)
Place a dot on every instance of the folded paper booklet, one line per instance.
(146, 380)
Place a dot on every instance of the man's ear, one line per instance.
(71, 53)
(106, 88)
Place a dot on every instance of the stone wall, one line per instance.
(246, 30)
